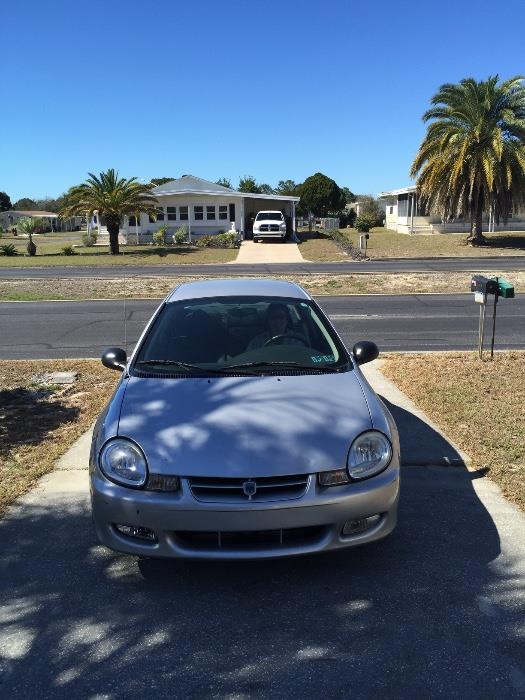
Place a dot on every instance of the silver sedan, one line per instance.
(242, 428)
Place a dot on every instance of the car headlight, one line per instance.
(369, 454)
(282, 227)
(123, 461)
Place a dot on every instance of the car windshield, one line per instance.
(254, 335)
(269, 216)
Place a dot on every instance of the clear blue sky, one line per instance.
(276, 89)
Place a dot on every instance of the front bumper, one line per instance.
(268, 234)
(186, 528)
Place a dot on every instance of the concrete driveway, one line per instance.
(435, 611)
(264, 253)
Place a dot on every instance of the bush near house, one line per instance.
(89, 238)
(220, 240)
(364, 223)
(69, 250)
(159, 237)
(8, 249)
(180, 236)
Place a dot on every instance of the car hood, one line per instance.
(244, 426)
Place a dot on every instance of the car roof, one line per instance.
(237, 287)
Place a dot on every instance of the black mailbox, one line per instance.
(482, 284)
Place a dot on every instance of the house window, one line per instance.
(160, 213)
(132, 221)
(232, 212)
(391, 210)
(172, 213)
(223, 212)
(210, 213)
(198, 213)
(183, 213)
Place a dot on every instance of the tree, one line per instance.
(161, 180)
(25, 203)
(370, 209)
(113, 198)
(286, 187)
(265, 189)
(472, 158)
(349, 195)
(248, 184)
(30, 226)
(321, 195)
(224, 182)
(5, 202)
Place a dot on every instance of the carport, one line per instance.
(253, 203)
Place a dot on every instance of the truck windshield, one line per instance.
(269, 216)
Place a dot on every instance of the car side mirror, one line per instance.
(114, 358)
(365, 351)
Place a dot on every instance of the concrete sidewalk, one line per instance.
(265, 253)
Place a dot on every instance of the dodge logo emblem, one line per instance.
(249, 488)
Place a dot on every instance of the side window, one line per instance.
(183, 213)
(172, 213)
(198, 212)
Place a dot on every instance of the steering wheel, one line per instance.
(276, 338)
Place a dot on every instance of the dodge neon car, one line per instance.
(241, 428)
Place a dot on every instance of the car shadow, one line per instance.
(434, 610)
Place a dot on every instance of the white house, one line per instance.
(405, 214)
(204, 208)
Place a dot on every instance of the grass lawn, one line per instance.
(384, 243)
(158, 287)
(479, 405)
(49, 253)
(38, 423)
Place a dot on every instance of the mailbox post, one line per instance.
(482, 288)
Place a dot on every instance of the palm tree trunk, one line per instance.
(476, 225)
(113, 227)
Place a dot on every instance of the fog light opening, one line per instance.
(355, 527)
(137, 533)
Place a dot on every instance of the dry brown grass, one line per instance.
(384, 243)
(158, 287)
(38, 423)
(479, 405)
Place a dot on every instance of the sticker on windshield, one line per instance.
(322, 358)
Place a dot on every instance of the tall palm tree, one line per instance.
(30, 226)
(113, 197)
(472, 158)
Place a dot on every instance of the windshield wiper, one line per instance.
(183, 365)
(281, 365)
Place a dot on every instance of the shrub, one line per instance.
(364, 223)
(159, 237)
(89, 237)
(220, 240)
(8, 249)
(69, 250)
(181, 235)
(225, 240)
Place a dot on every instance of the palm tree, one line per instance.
(472, 158)
(30, 226)
(113, 198)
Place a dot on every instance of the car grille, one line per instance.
(266, 488)
(250, 540)
(269, 227)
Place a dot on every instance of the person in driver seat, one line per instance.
(279, 327)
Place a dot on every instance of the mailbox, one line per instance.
(482, 284)
(505, 289)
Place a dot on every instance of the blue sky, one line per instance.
(275, 89)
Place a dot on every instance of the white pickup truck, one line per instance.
(269, 224)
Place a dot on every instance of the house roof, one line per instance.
(393, 193)
(189, 184)
(237, 287)
(33, 212)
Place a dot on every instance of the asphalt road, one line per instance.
(229, 270)
(409, 322)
